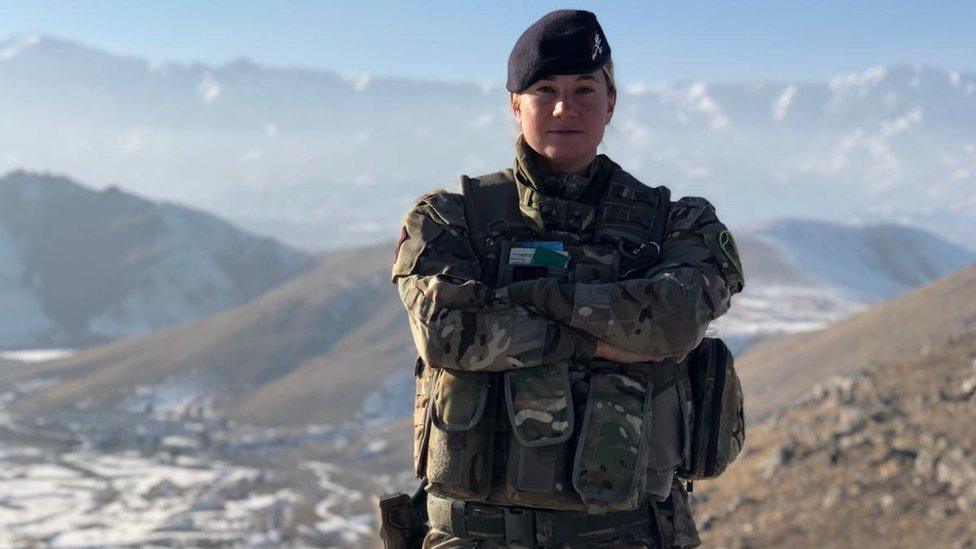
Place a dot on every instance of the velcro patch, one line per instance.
(728, 246)
(403, 238)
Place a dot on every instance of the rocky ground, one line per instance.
(883, 458)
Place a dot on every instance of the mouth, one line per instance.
(565, 132)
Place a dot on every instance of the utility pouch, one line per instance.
(396, 521)
(610, 455)
(718, 430)
(403, 519)
(461, 434)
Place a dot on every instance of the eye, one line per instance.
(546, 89)
(585, 90)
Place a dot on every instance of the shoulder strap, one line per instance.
(491, 206)
(663, 211)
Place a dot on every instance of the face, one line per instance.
(563, 118)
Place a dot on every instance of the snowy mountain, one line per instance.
(323, 160)
(79, 266)
(802, 274)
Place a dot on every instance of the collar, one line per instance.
(540, 196)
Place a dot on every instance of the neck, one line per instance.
(548, 167)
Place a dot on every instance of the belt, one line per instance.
(525, 526)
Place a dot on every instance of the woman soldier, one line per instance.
(550, 305)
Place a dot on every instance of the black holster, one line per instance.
(403, 519)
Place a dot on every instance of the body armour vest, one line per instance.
(597, 437)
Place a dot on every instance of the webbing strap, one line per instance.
(525, 526)
(489, 199)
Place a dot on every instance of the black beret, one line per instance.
(562, 42)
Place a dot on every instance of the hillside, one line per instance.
(776, 372)
(80, 267)
(309, 351)
(883, 456)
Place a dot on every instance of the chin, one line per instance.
(561, 154)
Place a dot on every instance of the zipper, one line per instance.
(717, 391)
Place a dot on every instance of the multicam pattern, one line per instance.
(665, 313)
(540, 404)
(457, 322)
(610, 450)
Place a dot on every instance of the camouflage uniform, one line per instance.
(461, 324)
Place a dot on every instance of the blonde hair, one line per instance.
(608, 73)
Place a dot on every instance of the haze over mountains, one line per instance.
(78, 267)
(322, 160)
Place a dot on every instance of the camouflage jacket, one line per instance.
(459, 322)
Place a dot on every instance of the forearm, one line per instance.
(662, 316)
(463, 326)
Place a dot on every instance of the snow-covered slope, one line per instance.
(324, 161)
(79, 266)
(803, 274)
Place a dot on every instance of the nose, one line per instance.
(563, 108)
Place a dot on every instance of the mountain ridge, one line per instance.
(268, 147)
(83, 266)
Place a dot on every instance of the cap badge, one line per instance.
(597, 46)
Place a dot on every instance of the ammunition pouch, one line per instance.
(541, 415)
(610, 456)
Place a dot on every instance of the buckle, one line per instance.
(519, 526)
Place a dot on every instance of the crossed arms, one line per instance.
(458, 322)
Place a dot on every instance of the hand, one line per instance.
(611, 352)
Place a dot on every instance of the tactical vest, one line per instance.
(594, 437)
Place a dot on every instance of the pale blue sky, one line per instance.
(652, 41)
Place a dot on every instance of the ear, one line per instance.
(611, 104)
(513, 98)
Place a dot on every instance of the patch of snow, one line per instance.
(858, 82)
(209, 89)
(782, 103)
(84, 499)
(19, 45)
(186, 396)
(36, 355)
(359, 82)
